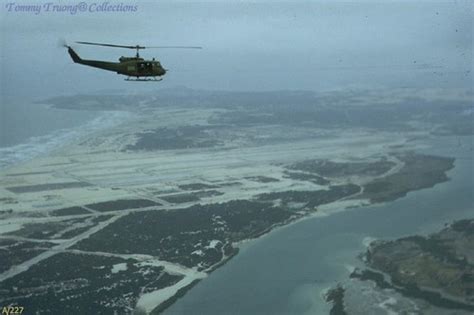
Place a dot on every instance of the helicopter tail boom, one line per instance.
(110, 66)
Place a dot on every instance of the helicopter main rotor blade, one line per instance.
(178, 47)
(112, 45)
(138, 46)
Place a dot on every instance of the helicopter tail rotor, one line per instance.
(62, 43)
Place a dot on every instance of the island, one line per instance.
(431, 274)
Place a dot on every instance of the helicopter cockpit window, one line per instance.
(145, 66)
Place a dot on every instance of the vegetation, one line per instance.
(419, 171)
(14, 252)
(314, 178)
(198, 235)
(438, 268)
(336, 297)
(342, 169)
(83, 284)
(122, 204)
(196, 186)
(70, 211)
(312, 199)
(185, 137)
(45, 187)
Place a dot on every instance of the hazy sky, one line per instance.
(248, 45)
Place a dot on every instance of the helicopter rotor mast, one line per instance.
(138, 47)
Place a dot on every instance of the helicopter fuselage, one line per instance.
(129, 66)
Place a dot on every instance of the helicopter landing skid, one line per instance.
(143, 80)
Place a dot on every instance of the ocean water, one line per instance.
(285, 272)
(29, 130)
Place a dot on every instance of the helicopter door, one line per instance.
(141, 67)
(144, 67)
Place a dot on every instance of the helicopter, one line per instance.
(135, 68)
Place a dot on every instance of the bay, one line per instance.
(286, 271)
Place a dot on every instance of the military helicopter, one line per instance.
(135, 68)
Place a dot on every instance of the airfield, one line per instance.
(129, 218)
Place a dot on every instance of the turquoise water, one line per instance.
(286, 271)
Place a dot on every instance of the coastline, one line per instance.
(289, 230)
(326, 210)
(57, 140)
(446, 253)
(104, 196)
